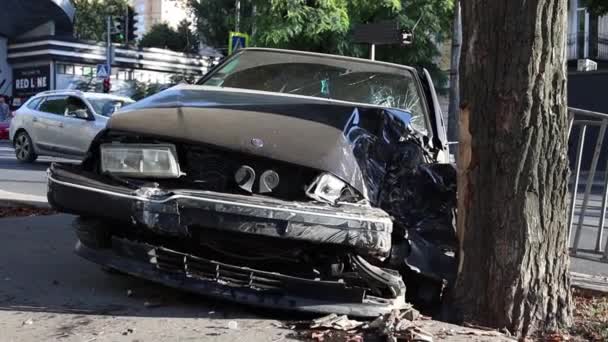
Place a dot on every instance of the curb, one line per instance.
(11, 199)
(23, 203)
(589, 282)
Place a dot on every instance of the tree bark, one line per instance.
(454, 79)
(513, 173)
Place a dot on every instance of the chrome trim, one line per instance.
(219, 201)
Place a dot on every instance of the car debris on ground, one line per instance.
(397, 326)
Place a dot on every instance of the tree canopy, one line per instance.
(596, 7)
(165, 37)
(326, 25)
(90, 17)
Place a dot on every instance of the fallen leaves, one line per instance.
(590, 316)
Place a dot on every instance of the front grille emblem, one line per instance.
(257, 142)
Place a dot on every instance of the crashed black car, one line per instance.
(283, 179)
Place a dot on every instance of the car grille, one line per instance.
(214, 170)
(194, 267)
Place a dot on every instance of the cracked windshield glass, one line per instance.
(329, 78)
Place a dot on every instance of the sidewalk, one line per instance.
(12, 198)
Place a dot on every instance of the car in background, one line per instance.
(61, 123)
(4, 127)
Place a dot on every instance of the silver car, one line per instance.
(61, 123)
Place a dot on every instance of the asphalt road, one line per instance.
(23, 178)
(48, 293)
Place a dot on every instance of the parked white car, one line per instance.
(61, 123)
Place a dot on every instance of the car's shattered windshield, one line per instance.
(324, 77)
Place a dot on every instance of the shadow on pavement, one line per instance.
(40, 273)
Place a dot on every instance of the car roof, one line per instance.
(318, 54)
(83, 94)
(107, 96)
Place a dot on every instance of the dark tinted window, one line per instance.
(54, 105)
(34, 103)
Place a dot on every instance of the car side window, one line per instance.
(34, 103)
(76, 108)
(54, 105)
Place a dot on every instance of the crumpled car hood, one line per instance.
(354, 142)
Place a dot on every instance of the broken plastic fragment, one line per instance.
(150, 192)
(326, 188)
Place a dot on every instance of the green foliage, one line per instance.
(596, 7)
(90, 17)
(326, 25)
(214, 20)
(165, 37)
(298, 24)
(188, 40)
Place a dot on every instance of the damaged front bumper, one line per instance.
(240, 284)
(361, 230)
(174, 212)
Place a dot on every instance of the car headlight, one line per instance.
(140, 160)
(331, 189)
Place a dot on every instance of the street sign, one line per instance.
(103, 71)
(378, 33)
(237, 40)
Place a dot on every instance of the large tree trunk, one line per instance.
(454, 67)
(514, 172)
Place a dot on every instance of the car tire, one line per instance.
(93, 233)
(24, 148)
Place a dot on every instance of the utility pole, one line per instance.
(254, 10)
(237, 16)
(109, 41)
(106, 82)
(454, 105)
(127, 25)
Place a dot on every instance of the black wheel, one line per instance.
(93, 233)
(24, 148)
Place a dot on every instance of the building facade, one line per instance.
(151, 12)
(38, 53)
(46, 63)
(23, 19)
(587, 36)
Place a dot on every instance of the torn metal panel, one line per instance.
(244, 285)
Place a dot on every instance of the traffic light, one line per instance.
(107, 86)
(118, 28)
(131, 24)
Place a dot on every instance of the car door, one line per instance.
(79, 130)
(440, 140)
(49, 121)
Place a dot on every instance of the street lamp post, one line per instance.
(237, 16)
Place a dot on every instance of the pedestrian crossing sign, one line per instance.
(237, 41)
(103, 71)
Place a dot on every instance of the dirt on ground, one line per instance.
(24, 211)
(590, 315)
